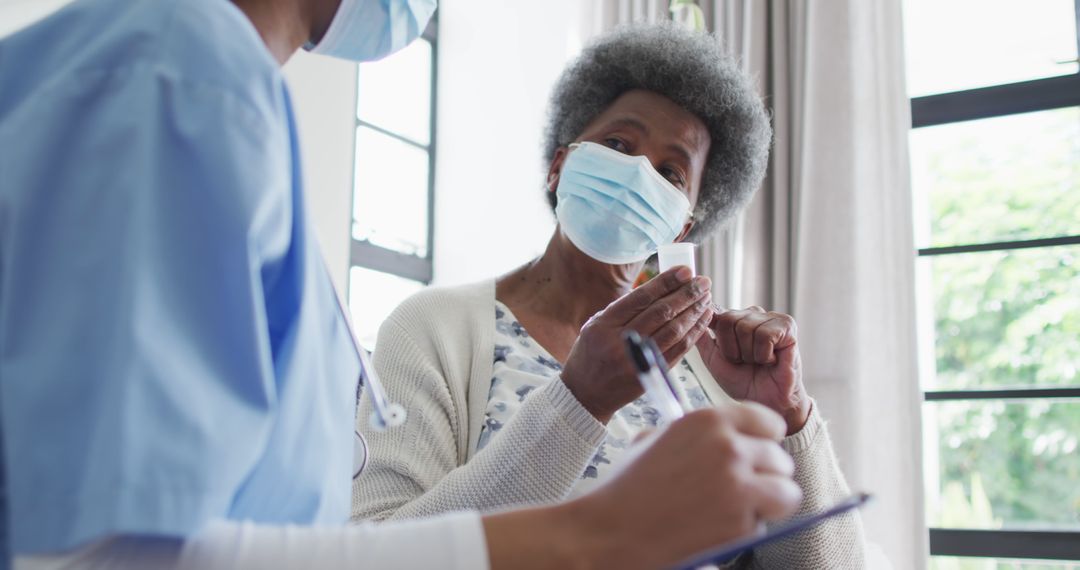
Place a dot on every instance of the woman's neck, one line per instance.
(565, 284)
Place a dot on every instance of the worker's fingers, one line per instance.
(754, 419)
(767, 457)
(776, 496)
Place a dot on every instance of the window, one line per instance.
(995, 152)
(18, 14)
(393, 182)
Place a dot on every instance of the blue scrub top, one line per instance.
(170, 346)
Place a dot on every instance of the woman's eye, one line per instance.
(616, 144)
(673, 176)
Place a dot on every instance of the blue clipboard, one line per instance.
(727, 552)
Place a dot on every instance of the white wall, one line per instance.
(497, 63)
(324, 99)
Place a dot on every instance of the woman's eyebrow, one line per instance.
(682, 152)
(631, 123)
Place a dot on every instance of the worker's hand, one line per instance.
(674, 308)
(755, 357)
(707, 479)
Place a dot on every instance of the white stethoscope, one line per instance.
(385, 414)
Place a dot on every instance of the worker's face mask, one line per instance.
(366, 30)
(617, 208)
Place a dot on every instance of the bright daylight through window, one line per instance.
(393, 184)
(995, 154)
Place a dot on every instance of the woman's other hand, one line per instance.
(674, 308)
(755, 357)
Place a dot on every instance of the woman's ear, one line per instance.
(555, 169)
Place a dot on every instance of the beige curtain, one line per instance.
(828, 238)
(602, 15)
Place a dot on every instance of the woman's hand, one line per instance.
(755, 357)
(674, 308)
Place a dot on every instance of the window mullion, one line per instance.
(996, 101)
(1076, 14)
(1004, 394)
(1000, 246)
(1040, 545)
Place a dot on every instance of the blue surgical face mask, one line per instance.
(617, 208)
(366, 30)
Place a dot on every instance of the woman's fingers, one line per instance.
(745, 329)
(673, 335)
(630, 306)
(753, 336)
(678, 349)
(723, 327)
(673, 307)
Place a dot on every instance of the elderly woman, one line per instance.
(654, 137)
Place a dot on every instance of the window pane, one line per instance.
(395, 93)
(963, 44)
(1001, 179)
(390, 203)
(373, 295)
(958, 563)
(1003, 464)
(1005, 318)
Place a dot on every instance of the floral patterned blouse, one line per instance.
(521, 365)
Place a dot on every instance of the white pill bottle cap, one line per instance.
(676, 254)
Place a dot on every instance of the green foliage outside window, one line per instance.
(1004, 319)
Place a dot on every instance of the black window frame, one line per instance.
(368, 255)
(984, 103)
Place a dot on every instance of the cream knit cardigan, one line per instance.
(435, 355)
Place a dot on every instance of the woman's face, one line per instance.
(643, 123)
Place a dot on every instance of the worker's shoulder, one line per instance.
(213, 42)
(204, 44)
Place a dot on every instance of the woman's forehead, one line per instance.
(653, 114)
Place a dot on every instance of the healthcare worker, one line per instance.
(177, 384)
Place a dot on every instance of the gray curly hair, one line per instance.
(691, 69)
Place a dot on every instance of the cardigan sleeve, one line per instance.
(835, 543)
(414, 470)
